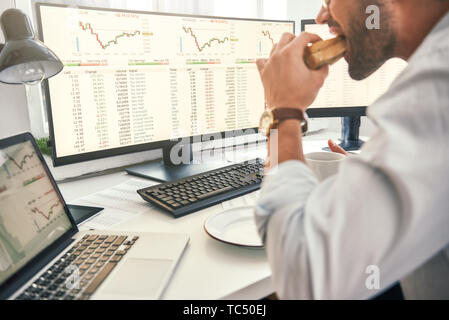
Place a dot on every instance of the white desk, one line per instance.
(209, 269)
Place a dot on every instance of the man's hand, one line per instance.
(287, 81)
(336, 148)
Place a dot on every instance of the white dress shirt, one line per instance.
(387, 207)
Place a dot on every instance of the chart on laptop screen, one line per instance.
(31, 213)
(135, 78)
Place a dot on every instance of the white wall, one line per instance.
(302, 9)
(13, 104)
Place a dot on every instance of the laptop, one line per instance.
(43, 255)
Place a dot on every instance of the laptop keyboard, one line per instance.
(92, 258)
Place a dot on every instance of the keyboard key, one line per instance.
(59, 293)
(52, 287)
(110, 239)
(92, 237)
(84, 267)
(88, 277)
(34, 289)
(215, 193)
(116, 258)
(120, 240)
(25, 296)
(94, 270)
(78, 262)
(99, 278)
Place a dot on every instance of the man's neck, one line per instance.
(415, 20)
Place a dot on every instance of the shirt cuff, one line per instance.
(288, 185)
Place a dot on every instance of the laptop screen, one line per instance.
(32, 214)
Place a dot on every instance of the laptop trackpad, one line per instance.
(138, 278)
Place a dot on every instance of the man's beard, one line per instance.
(370, 49)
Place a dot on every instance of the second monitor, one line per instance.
(344, 97)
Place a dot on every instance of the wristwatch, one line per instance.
(271, 119)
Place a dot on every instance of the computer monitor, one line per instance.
(344, 97)
(134, 81)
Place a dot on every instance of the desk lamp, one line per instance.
(23, 58)
(26, 60)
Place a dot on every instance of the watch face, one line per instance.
(266, 122)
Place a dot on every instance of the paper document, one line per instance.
(121, 204)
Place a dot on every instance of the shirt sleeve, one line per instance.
(385, 212)
(321, 238)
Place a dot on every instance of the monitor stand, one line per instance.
(350, 127)
(166, 171)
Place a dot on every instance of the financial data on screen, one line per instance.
(32, 215)
(136, 78)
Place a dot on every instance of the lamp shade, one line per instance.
(24, 59)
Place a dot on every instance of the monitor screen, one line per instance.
(132, 79)
(340, 91)
(32, 214)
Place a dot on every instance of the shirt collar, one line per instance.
(428, 44)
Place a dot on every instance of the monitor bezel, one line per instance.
(95, 155)
(29, 269)
(353, 111)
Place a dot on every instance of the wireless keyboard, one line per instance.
(197, 192)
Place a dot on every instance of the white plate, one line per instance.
(234, 226)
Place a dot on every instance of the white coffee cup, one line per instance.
(324, 164)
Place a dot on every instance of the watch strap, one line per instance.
(281, 114)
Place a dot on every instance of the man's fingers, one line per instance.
(310, 37)
(304, 39)
(336, 148)
(285, 39)
(273, 49)
(323, 71)
(261, 64)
